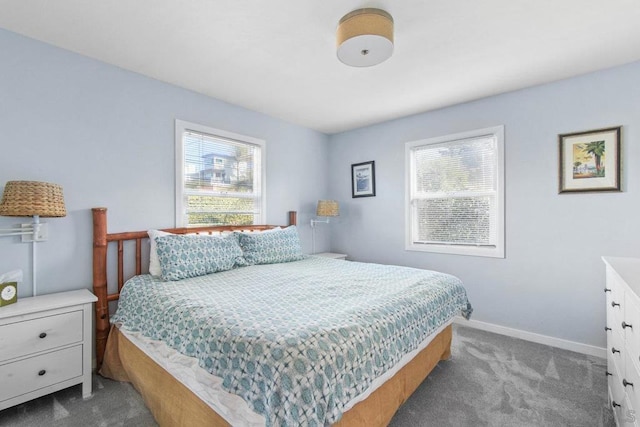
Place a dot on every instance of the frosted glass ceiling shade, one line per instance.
(365, 37)
(327, 208)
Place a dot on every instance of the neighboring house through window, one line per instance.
(219, 177)
(455, 193)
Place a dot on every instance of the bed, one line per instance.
(308, 341)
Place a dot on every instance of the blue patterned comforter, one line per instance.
(297, 341)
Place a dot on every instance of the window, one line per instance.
(219, 177)
(455, 193)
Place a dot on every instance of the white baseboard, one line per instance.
(591, 350)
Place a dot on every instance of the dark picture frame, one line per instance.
(589, 161)
(363, 179)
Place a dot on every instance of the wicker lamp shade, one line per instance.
(29, 198)
(327, 208)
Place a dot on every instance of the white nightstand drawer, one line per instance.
(41, 371)
(44, 333)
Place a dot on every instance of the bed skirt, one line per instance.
(173, 404)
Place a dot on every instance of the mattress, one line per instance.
(298, 342)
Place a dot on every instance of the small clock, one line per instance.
(8, 293)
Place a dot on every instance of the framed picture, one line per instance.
(590, 161)
(363, 179)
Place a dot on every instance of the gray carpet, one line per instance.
(490, 380)
(493, 380)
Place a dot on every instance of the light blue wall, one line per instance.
(107, 136)
(552, 279)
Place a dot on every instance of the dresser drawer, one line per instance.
(611, 321)
(617, 394)
(615, 311)
(614, 287)
(614, 302)
(623, 319)
(632, 325)
(632, 389)
(40, 371)
(627, 415)
(616, 350)
(40, 334)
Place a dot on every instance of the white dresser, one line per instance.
(623, 337)
(45, 346)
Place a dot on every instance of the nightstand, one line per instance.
(45, 346)
(332, 255)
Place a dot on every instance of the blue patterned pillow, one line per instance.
(183, 256)
(271, 247)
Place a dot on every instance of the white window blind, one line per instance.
(455, 194)
(220, 177)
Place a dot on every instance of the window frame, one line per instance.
(497, 251)
(181, 127)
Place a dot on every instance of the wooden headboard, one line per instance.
(101, 241)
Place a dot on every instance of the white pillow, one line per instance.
(154, 262)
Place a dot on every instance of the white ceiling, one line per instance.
(278, 56)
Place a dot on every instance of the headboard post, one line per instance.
(293, 218)
(100, 280)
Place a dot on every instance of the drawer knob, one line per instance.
(626, 325)
(609, 374)
(614, 350)
(606, 328)
(42, 372)
(607, 290)
(626, 383)
(614, 404)
(615, 304)
(43, 335)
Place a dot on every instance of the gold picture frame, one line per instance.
(590, 161)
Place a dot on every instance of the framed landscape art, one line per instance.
(590, 161)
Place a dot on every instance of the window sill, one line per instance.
(489, 252)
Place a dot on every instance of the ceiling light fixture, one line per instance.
(365, 37)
